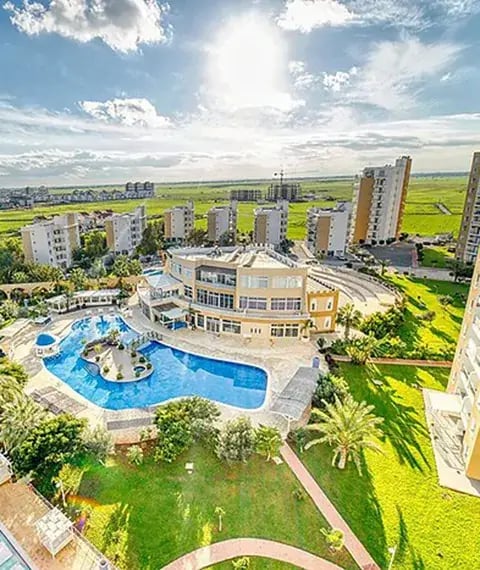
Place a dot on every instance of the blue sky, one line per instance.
(97, 91)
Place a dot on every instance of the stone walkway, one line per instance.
(237, 547)
(325, 506)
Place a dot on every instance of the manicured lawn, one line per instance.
(436, 257)
(397, 501)
(164, 512)
(423, 295)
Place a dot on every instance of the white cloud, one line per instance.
(306, 15)
(125, 112)
(336, 81)
(395, 72)
(302, 79)
(121, 24)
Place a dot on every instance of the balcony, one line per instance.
(466, 411)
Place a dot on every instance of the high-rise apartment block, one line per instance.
(379, 198)
(328, 229)
(125, 231)
(246, 195)
(179, 222)
(52, 242)
(283, 191)
(222, 221)
(469, 238)
(464, 386)
(143, 189)
(271, 224)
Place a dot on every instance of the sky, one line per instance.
(105, 91)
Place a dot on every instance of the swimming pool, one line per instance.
(176, 373)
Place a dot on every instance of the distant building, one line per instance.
(327, 229)
(290, 191)
(469, 238)
(379, 198)
(271, 224)
(141, 189)
(222, 220)
(179, 222)
(246, 195)
(125, 231)
(52, 242)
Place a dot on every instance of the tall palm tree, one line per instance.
(348, 427)
(349, 317)
(19, 417)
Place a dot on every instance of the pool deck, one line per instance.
(280, 359)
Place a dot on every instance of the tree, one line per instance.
(384, 263)
(329, 387)
(268, 441)
(135, 455)
(68, 480)
(236, 442)
(78, 278)
(152, 239)
(362, 349)
(120, 266)
(98, 443)
(305, 328)
(203, 415)
(349, 427)
(19, 416)
(9, 309)
(220, 513)
(197, 237)
(334, 538)
(174, 432)
(97, 271)
(460, 269)
(349, 317)
(50, 445)
(95, 244)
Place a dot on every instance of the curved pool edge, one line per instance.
(123, 381)
(266, 371)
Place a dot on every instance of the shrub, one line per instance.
(97, 358)
(149, 365)
(106, 369)
(119, 376)
(135, 455)
(133, 354)
(98, 443)
(299, 494)
(268, 441)
(137, 374)
(334, 538)
(142, 360)
(121, 346)
(236, 441)
(299, 438)
(328, 388)
(382, 324)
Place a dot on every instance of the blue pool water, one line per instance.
(176, 373)
(45, 339)
(153, 271)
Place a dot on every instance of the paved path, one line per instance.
(325, 506)
(237, 547)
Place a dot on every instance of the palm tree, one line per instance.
(19, 417)
(384, 263)
(268, 441)
(361, 349)
(349, 317)
(334, 538)
(305, 328)
(349, 427)
(135, 455)
(220, 513)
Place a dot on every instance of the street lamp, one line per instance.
(392, 550)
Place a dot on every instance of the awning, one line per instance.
(297, 394)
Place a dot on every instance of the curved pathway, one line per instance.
(228, 549)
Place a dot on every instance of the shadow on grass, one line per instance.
(405, 551)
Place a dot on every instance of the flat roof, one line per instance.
(238, 256)
(297, 395)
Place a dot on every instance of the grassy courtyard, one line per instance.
(423, 295)
(436, 256)
(397, 501)
(157, 512)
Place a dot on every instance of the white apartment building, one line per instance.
(379, 197)
(469, 237)
(125, 231)
(52, 242)
(222, 220)
(179, 222)
(271, 224)
(328, 229)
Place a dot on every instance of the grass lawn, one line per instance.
(423, 295)
(436, 256)
(397, 501)
(163, 512)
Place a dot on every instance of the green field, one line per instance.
(436, 256)
(397, 500)
(163, 512)
(423, 295)
(422, 216)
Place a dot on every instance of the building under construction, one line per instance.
(281, 190)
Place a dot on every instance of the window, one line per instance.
(259, 303)
(254, 282)
(288, 330)
(327, 323)
(313, 306)
(286, 304)
(188, 273)
(216, 277)
(188, 291)
(200, 321)
(287, 282)
(214, 299)
(231, 327)
(176, 268)
(329, 305)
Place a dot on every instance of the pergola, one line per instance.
(5, 469)
(55, 530)
(90, 298)
(170, 314)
